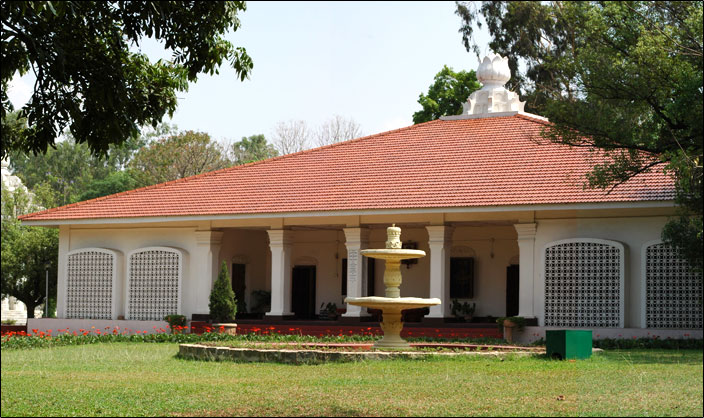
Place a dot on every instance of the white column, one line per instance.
(62, 272)
(356, 239)
(439, 242)
(204, 270)
(280, 245)
(526, 269)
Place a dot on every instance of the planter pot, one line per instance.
(509, 327)
(228, 328)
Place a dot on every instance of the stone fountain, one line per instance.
(392, 304)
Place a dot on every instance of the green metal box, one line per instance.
(568, 344)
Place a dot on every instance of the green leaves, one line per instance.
(87, 78)
(177, 156)
(446, 95)
(223, 306)
(621, 77)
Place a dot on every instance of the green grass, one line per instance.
(147, 379)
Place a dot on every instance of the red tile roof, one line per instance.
(494, 161)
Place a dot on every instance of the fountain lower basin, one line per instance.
(391, 315)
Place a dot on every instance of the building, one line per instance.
(501, 212)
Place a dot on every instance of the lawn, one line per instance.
(147, 379)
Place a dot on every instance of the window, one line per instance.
(673, 291)
(584, 283)
(154, 282)
(91, 284)
(461, 277)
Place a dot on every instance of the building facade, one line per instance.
(502, 214)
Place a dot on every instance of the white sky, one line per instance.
(364, 60)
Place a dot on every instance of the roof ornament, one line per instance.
(493, 73)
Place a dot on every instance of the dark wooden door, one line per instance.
(461, 278)
(303, 292)
(238, 286)
(512, 281)
(371, 264)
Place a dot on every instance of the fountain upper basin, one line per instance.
(393, 304)
(393, 254)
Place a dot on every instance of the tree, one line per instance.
(64, 171)
(182, 155)
(253, 148)
(627, 79)
(68, 172)
(27, 253)
(116, 182)
(533, 36)
(446, 95)
(89, 81)
(291, 136)
(223, 305)
(338, 129)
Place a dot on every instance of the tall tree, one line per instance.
(185, 154)
(27, 253)
(337, 129)
(68, 172)
(64, 172)
(291, 136)
(446, 95)
(252, 148)
(625, 77)
(89, 81)
(532, 35)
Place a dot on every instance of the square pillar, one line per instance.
(62, 272)
(280, 246)
(526, 269)
(204, 269)
(439, 242)
(356, 239)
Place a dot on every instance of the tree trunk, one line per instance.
(30, 310)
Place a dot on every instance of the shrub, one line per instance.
(223, 306)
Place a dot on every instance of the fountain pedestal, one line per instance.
(392, 305)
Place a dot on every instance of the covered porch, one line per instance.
(291, 268)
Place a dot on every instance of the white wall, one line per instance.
(126, 240)
(326, 248)
(631, 232)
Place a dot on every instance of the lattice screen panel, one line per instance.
(89, 285)
(673, 292)
(583, 285)
(154, 284)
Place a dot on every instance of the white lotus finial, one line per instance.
(493, 73)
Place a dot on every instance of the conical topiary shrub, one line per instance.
(223, 305)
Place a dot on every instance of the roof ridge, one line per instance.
(218, 171)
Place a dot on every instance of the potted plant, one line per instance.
(328, 311)
(223, 306)
(509, 324)
(463, 310)
(176, 323)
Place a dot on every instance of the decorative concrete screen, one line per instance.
(92, 284)
(154, 283)
(584, 283)
(673, 296)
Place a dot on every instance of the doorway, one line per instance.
(239, 286)
(512, 289)
(303, 292)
